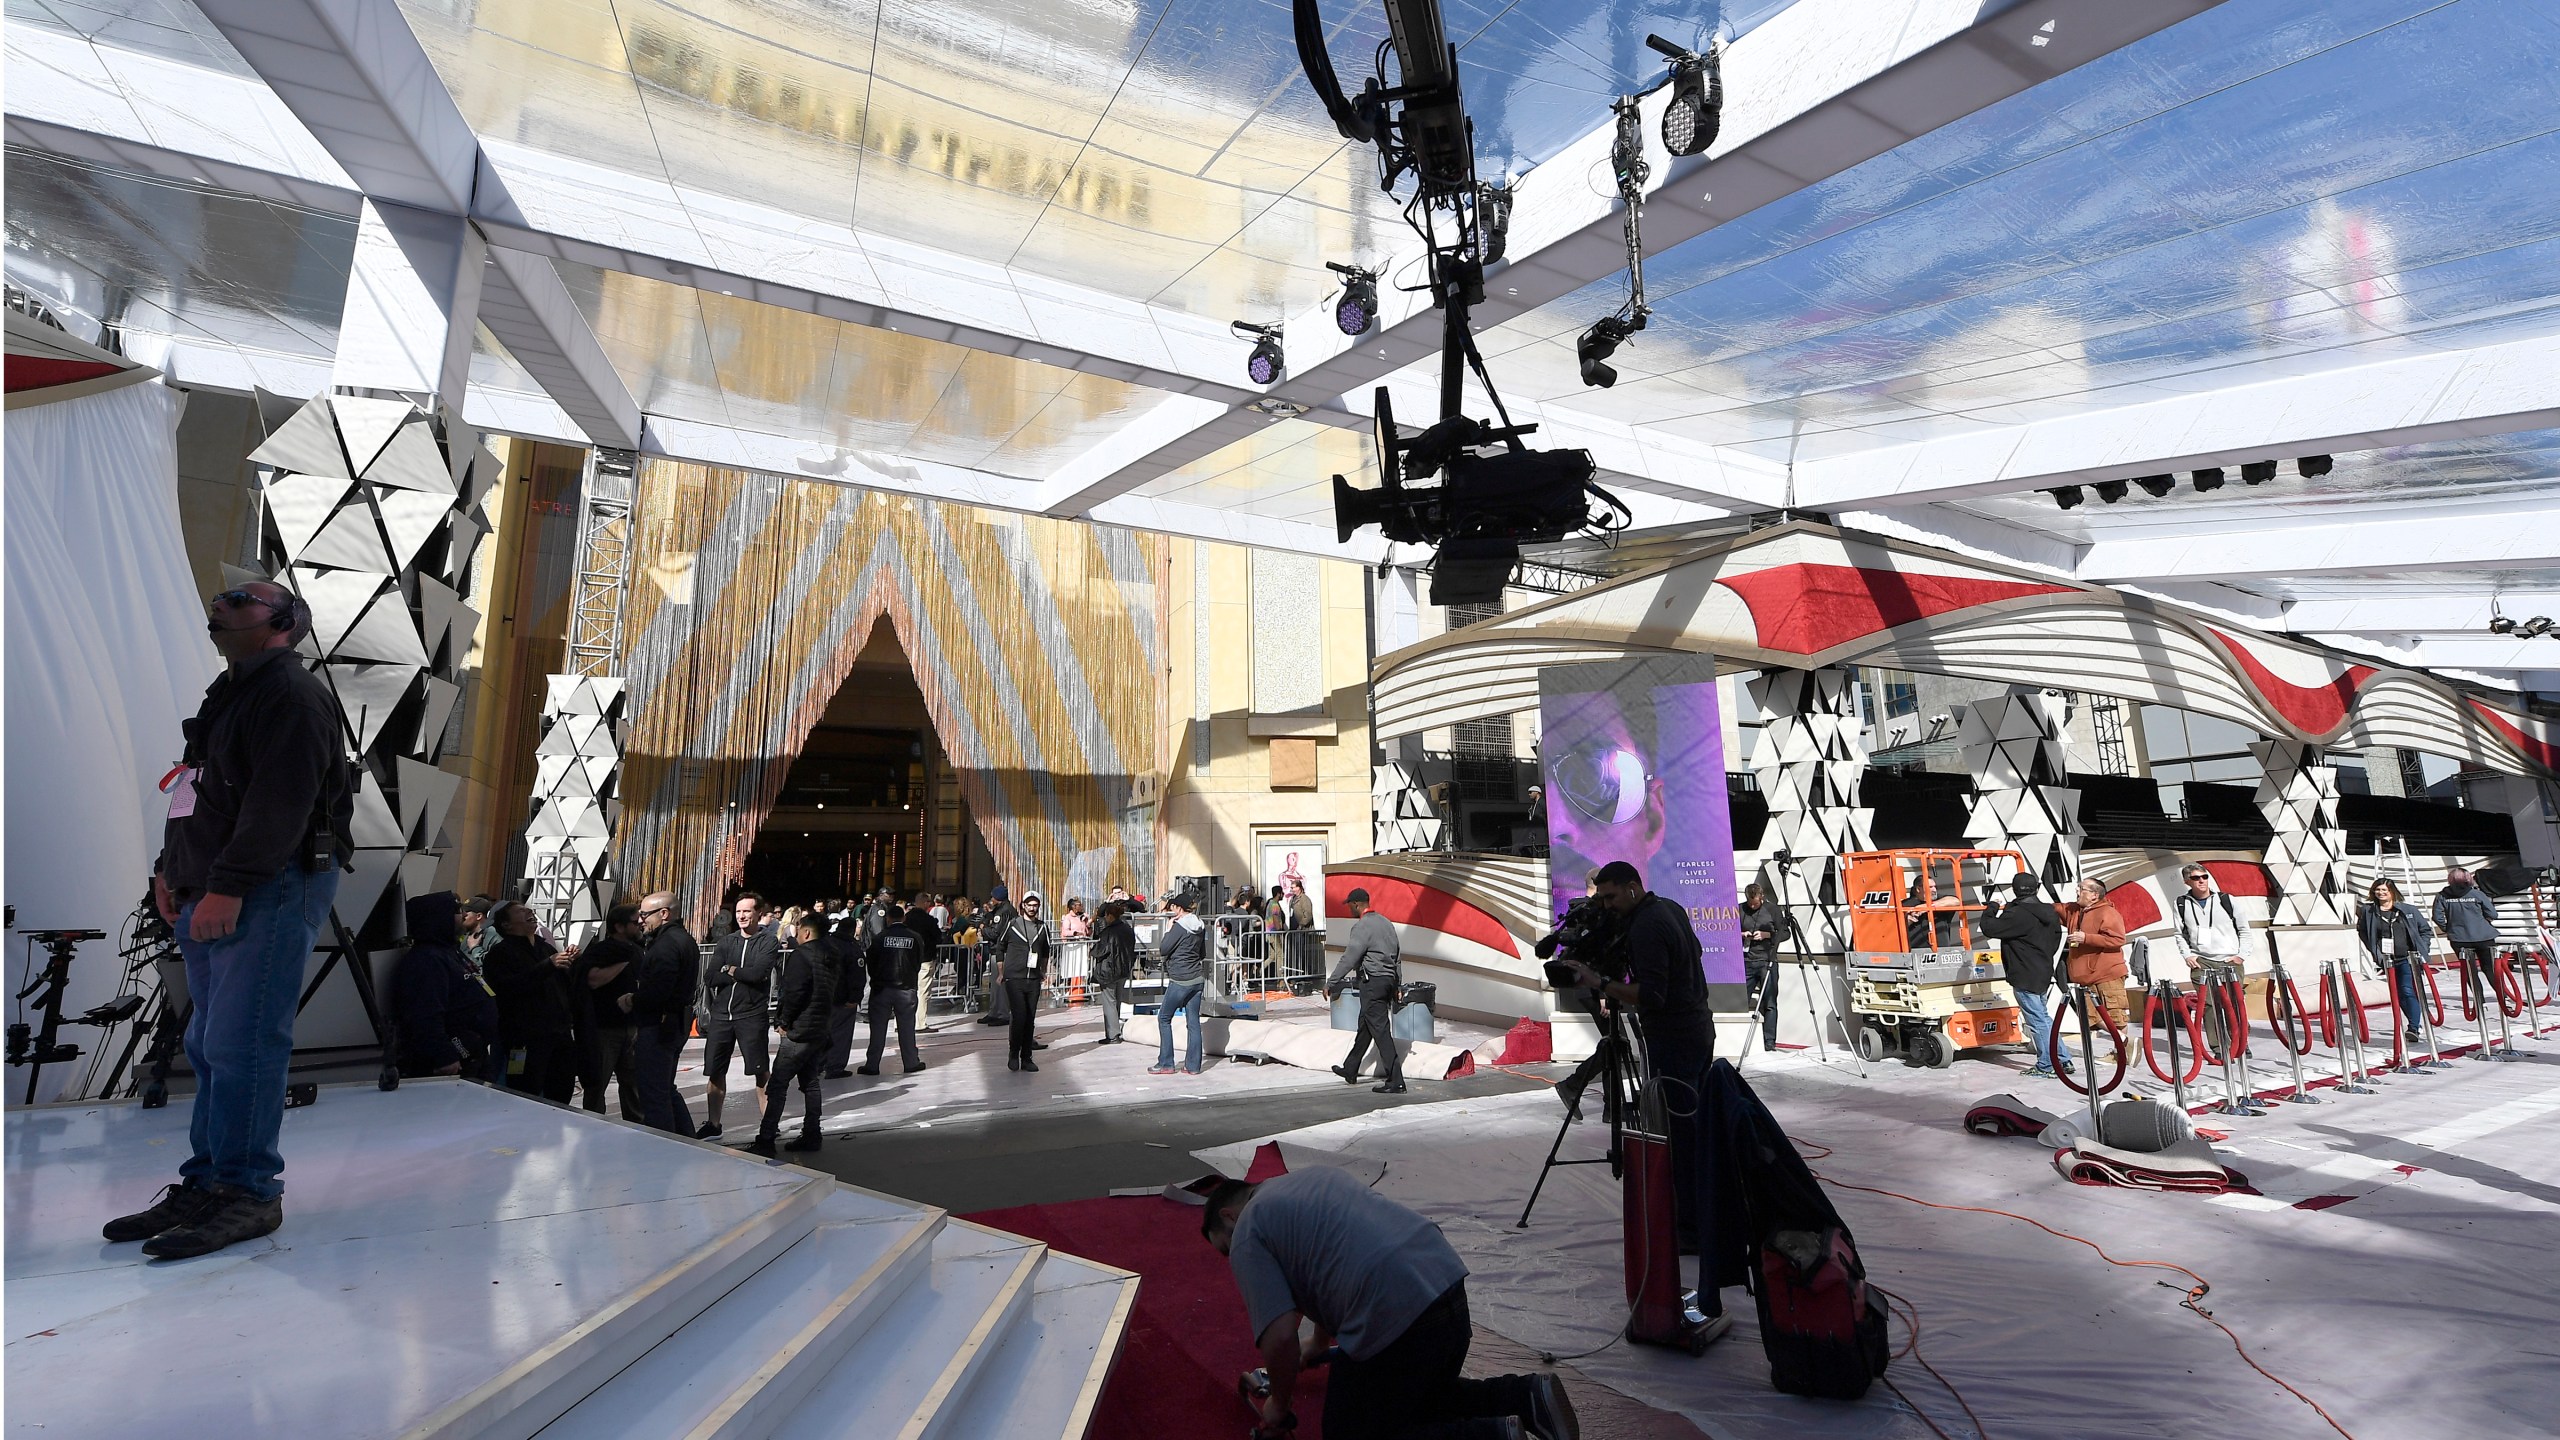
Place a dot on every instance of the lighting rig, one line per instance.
(2206, 480)
(1690, 120)
(1494, 493)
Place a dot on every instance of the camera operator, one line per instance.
(1665, 983)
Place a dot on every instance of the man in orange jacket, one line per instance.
(2093, 937)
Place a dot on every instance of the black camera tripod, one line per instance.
(37, 1048)
(1617, 1066)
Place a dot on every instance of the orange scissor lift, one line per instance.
(1923, 982)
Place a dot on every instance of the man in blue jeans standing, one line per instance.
(258, 822)
(1186, 976)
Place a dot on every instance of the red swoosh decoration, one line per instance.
(2136, 905)
(2313, 709)
(2541, 752)
(40, 372)
(1805, 609)
(1405, 903)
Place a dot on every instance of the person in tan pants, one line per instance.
(2093, 947)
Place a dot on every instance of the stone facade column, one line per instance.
(2014, 747)
(1809, 765)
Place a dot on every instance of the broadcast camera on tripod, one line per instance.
(1495, 493)
(1591, 937)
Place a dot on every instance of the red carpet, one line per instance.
(1187, 1339)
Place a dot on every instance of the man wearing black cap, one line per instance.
(2030, 936)
(1373, 961)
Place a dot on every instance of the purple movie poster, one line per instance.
(1633, 760)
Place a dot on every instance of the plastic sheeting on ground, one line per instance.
(2398, 1267)
(106, 655)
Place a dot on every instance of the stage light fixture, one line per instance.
(1264, 365)
(2208, 479)
(2537, 626)
(2156, 485)
(2258, 472)
(2065, 496)
(1357, 310)
(1599, 343)
(2111, 491)
(1493, 222)
(2501, 625)
(2310, 465)
(1695, 110)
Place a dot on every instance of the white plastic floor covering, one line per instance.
(2415, 1294)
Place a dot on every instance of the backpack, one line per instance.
(1821, 1324)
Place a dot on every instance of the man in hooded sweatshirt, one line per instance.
(2030, 936)
(444, 1016)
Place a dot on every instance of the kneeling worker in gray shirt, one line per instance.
(1382, 1283)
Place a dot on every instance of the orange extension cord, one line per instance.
(2193, 1299)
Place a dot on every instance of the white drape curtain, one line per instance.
(106, 655)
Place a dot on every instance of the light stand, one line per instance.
(41, 1047)
(1786, 863)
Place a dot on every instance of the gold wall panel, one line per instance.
(1036, 643)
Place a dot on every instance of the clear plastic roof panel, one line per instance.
(171, 29)
(700, 355)
(156, 258)
(1159, 150)
(2275, 189)
(1282, 472)
(2486, 471)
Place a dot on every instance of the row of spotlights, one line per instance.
(1353, 313)
(2207, 480)
(2539, 625)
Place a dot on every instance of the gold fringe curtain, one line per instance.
(1036, 644)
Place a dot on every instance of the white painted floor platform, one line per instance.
(456, 1261)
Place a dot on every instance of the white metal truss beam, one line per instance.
(2367, 542)
(524, 304)
(2487, 390)
(1821, 87)
(353, 73)
(2454, 615)
(2501, 655)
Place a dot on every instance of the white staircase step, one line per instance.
(1046, 1377)
(746, 1360)
(542, 1386)
(899, 1381)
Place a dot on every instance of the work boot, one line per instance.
(915, 1067)
(1550, 1412)
(808, 1140)
(1392, 1087)
(179, 1204)
(866, 1069)
(1030, 1064)
(761, 1145)
(1349, 1077)
(710, 1131)
(236, 1215)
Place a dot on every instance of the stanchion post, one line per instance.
(2492, 995)
(2164, 994)
(2340, 981)
(2532, 1007)
(2423, 981)
(2280, 991)
(2219, 983)
(2088, 1052)
(2475, 983)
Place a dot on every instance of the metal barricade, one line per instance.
(1070, 966)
